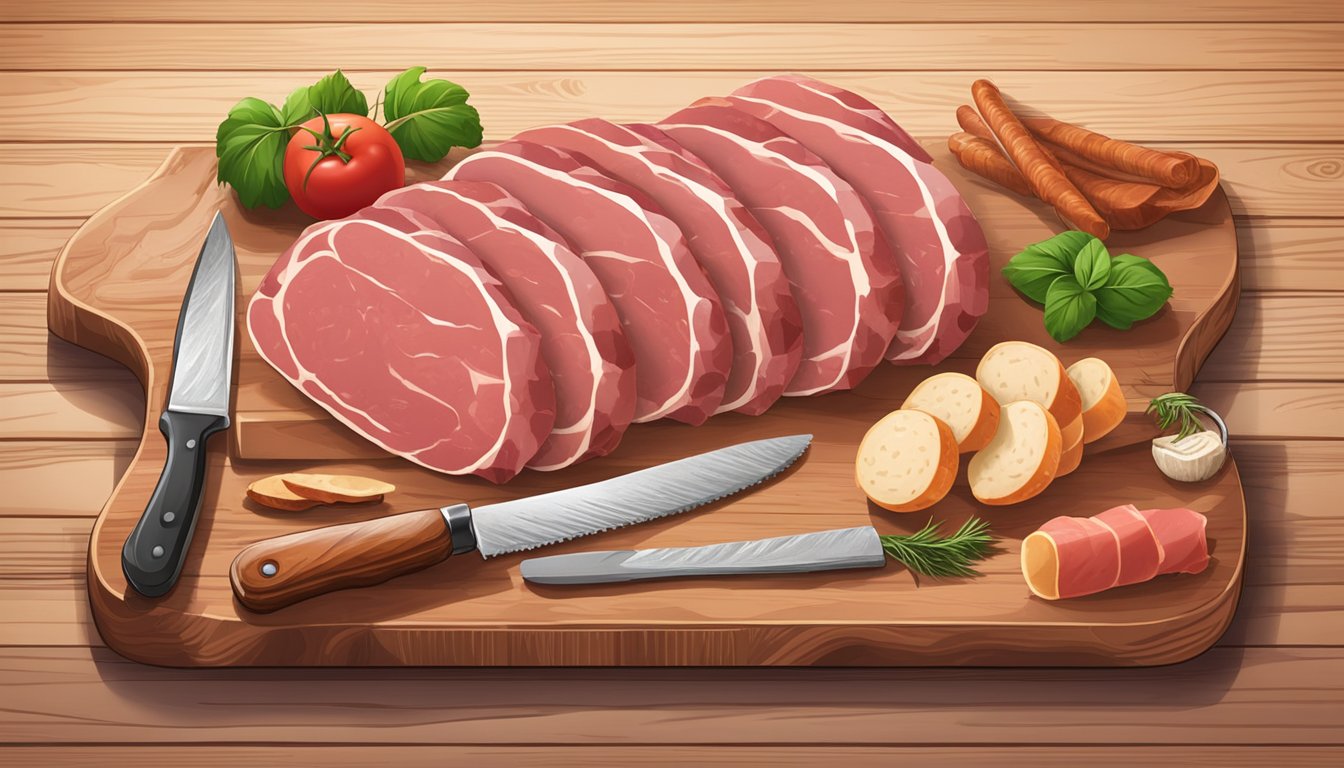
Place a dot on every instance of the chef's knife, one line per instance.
(278, 572)
(822, 551)
(198, 407)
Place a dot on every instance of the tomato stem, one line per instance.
(327, 145)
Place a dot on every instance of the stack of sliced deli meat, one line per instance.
(554, 289)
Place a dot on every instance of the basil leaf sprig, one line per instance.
(929, 553)
(429, 118)
(1077, 280)
(426, 118)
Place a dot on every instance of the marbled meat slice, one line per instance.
(671, 315)
(941, 250)
(838, 267)
(582, 344)
(406, 339)
(727, 241)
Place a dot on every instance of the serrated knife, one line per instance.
(801, 553)
(198, 407)
(278, 572)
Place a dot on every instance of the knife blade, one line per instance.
(198, 407)
(802, 553)
(278, 572)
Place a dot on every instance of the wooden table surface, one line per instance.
(94, 92)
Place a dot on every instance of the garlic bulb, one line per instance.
(1197, 457)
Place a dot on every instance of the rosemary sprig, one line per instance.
(1176, 407)
(927, 553)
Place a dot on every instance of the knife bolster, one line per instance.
(458, 518)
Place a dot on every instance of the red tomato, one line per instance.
(333, 169)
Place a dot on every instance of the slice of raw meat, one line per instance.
(839, 268)
(407, 340)
(582, 344)
(940, 247)
(729, 244)
(671, 316)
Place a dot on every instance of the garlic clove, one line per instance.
(1198, 457)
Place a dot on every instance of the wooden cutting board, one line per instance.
(117, 287)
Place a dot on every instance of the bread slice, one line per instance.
(907, 461)
(1018, 370)
(1021, 460)
(960, 402)
(272, 492)
(1071, 437)
(1103, 404)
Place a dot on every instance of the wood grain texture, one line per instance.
(645, 756)
(1290, 255)
(60, 478)
(688, 47)
(90, 410)
(1196, 107)
(27, 249)
(1261, 179)
(30, 353)
(768, 11)
(99, 299)
(1278, 410)
(1228, 696)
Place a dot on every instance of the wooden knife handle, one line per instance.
(282, 571)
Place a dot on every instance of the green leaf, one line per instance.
(1040, 264)
(1069, 308)
(1135, 290)
(1092, 265)
(429, 118)
(250, 145)
(331, 95)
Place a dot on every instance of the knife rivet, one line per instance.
(168, 518)
(157, 551)
(191, 444)
(269, 569)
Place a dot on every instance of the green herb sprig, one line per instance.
(929, 554)
(1078, 280)
(1177, 407)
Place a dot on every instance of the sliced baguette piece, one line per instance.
(272, 492)
(907, 461)
(1103, 404)
(1072, 454)
(1019, 370)
(1021, 460)
(961, 403)
(332, 489)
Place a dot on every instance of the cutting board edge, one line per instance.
(1170, 640)
(124, 624)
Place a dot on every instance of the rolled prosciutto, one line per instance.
(1076, 556)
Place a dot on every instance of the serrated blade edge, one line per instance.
(637, 497)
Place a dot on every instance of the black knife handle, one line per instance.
(154, 552)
